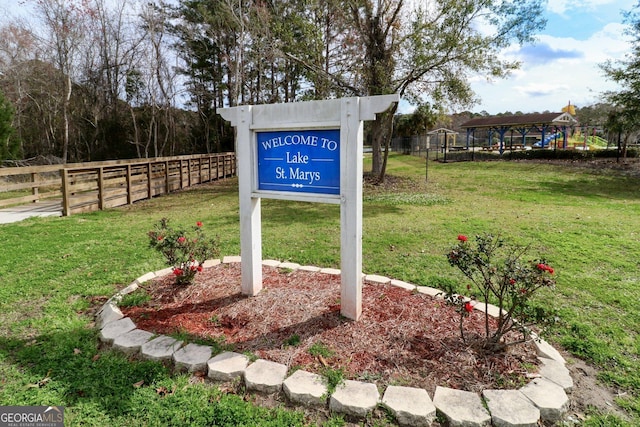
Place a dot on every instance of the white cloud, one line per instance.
(612, 41)
(565, 70)
(557, 6)
(561, 7)
(535, 90)
(608, 43)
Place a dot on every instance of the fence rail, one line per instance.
(87, 187)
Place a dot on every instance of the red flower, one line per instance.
(193, 268)
(523, 291)
(160, 238)
(462, 237)
(545, 267)
(199, 223)
(182, 239)
(512, 281)
(177, 271)
(199, 268)
(468, 307)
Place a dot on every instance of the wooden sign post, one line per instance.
(304, 151)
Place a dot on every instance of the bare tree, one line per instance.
(160, 79)
(18, 48)
(65, 25)
(113, 54)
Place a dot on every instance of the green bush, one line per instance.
(183, 250)
(498, 274)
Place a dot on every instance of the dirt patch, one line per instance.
(588, 394)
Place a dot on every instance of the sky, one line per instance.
(561, 67)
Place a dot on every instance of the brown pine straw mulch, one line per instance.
(403, 337)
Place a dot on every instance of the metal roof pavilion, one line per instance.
(520, 120)
(522, 124)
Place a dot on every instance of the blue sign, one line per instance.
(300, 161)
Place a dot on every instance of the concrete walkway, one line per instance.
(39, 209)
(543, 400)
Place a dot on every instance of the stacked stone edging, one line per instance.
(544, 398)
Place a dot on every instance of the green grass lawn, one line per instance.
(586, 224)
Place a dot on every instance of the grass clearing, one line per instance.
(586, 223)
(406, 199)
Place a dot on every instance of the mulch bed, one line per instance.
(403, 337)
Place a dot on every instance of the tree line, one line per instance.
(102, 79)
(93, 80)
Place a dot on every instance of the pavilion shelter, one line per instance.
(447, 136)
(549, 125)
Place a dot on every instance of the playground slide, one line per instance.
(597, 141)
(548, 139)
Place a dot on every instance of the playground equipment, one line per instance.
(547, 140)
(596, 141)
(587, 139)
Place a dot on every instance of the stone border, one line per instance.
(544, 398)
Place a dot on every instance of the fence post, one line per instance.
(129, 187)
(181, 176)
(66, 202)
(35, 177)
(149, 181)
(101, 188)
(167, 186)
(224, 166)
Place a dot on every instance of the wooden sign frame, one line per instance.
(346, 115)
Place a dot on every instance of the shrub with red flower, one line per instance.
(184, 250)
(544, 267)
(498, 276)
(468, 307)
